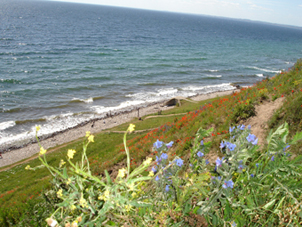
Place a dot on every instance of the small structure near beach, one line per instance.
(176, 100)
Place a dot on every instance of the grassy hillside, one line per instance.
(197, 195)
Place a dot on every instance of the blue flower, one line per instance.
(222, 145)
(249, 127)
(219, 177)
(179, 162)
(257, 165)
(201, 143)
(231, 129)
(255, 142)
(154, 169)
(157, 178)
(231, 146)
(158, 144)
(200, 154)
(164, 156)
(207, 162)
(286, 147)
(273, 158)
(240, 167)
(158, 160)
(228, 184)
(251, 137)
(252, 175)
(219, 162)
(169, 145)
(234, 224)
(241, 127)
(167, 188)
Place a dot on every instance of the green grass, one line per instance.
(20, 189)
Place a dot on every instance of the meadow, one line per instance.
(162, 176)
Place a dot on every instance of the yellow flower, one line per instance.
(87, 134)
(74, 224)
(148, 161)
(131, 186)
(71, 153)
(38, 128)
(90, 138)
(62, 162)
(128, 207)
(83, 203)
(134, 194)
(73, 207)
(68, 181)
(121, 173)
(60, 193)
(151, 174)
(27, 167)
(42, 151)
(131, 128)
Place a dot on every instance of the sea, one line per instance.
(63, 64)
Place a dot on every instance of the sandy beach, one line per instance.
(15, 155)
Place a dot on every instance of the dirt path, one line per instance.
(264, 113)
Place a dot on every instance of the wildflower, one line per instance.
(241, 127)
(38, 128)
(128, 208)
(131, 128)
(71, 153)
(201, 143)
(157, 178)
(154, 169)
(87, 134)
(255, 142)
(148, 161)
(231, 129)
(27, 167)
(286, 147)
(207, 162)
(42, 151)
(273, 158)
(158, 144)
(74, 224)
(91, 138)
(179, 162)
(234, 224)
(121, 173)
(228, 184)
(252, 175)
(231, 146)
(151, 174)
(62, 162)
(164, 156)
(51, 222)
(222, 145)
(167, 188)
(219, 162)
(73, 207)
(250, 137)
(60, 193)
(257, 165)
(68, 181)
(249, 127)
(200, 154)
(169, 145)
(83, 202)
(240, 167)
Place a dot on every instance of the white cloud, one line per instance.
(257, 7)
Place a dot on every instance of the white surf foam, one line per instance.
(7, 124)
(265, 70)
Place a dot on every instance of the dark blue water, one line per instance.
(64, 63)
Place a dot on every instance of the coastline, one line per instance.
(16, 154)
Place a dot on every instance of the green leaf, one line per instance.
(269, 205)
(108, 177)
(296, 138)
(139, 179)
(65, 172)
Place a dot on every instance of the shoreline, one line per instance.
(16, 154)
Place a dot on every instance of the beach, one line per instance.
(14, 155)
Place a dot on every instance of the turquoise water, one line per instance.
(62, 63)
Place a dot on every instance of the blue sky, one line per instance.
(286, 12)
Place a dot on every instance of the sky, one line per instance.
(286, 12)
